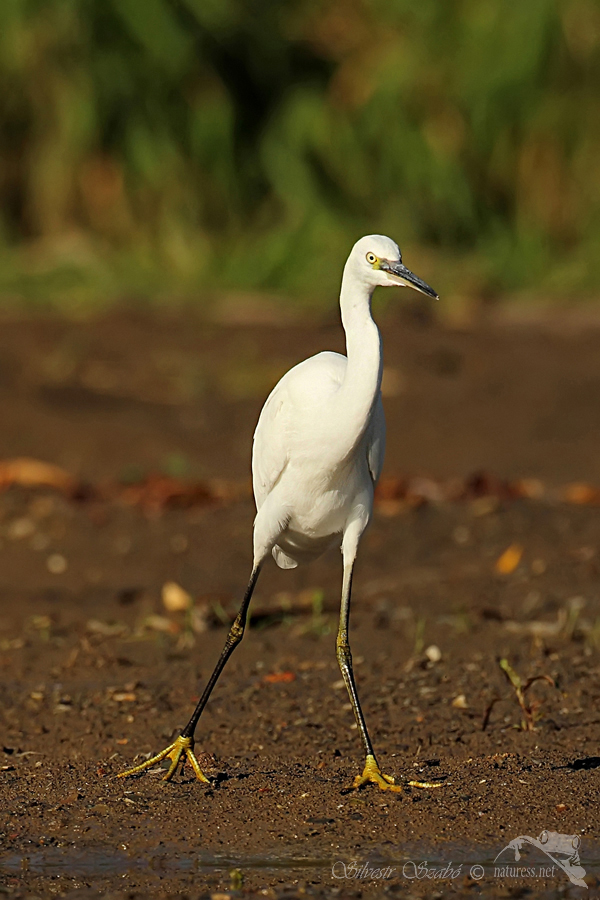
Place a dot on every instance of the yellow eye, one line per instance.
(371, 258)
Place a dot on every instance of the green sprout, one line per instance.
(530, 710)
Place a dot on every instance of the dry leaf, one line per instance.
(279, 678)
(530, 488)
(509, 560)
(581, 493)
(160, 491)
(34, 473)
(390, 489)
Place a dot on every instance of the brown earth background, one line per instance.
(479, 551)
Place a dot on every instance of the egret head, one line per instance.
(376, 260)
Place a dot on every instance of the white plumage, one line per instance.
(320, 439)
(315, 492)
(317, 455)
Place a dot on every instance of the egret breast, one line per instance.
(321, 508)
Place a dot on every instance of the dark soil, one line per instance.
(95, 670)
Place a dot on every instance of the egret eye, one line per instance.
(371, 258)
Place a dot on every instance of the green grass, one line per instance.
(181, 148)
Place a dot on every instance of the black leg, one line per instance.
(182, 748)
(236, 633)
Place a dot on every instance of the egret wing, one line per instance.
(269, 449)
(376, 441)
(303, 388)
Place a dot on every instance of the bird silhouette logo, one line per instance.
(562, 849)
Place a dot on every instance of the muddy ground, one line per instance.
(96, 671)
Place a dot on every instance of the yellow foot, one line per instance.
(373, 774)
(180, 750)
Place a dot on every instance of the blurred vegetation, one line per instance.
(164, 146)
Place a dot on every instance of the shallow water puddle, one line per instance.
(105, 861)
(415, 864)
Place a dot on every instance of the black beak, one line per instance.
(400, 271)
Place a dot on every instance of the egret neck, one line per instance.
(359, 391)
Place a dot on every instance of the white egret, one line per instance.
(317, 456)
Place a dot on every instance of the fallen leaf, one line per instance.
(509, 560)
(156, 492)
(279, 678)
(33, 473)
(581, 493)
(390, 489)
(529, 488)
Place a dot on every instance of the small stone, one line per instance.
(56, 564)
(460, 702)
(433, 653)
(20, 528)
(175, 598)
